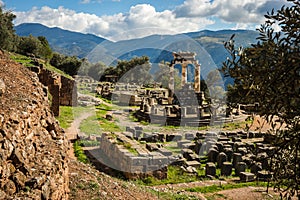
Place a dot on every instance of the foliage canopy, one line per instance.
(7, 33)
(268, 72)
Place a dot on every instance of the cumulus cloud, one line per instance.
(237, 11)
(90, 1)
(1, 3)
(141, 20)
(85, 1)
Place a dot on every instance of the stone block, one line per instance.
(151, 147)
(228, 152)
(237, 145)
(173, 137)
(159, 160)
(221, 158)
(212, 155)
(138, 128)
(165, 152)
(137, 169)
(189, 136)
(128, 135)
(188, 145)
(240, 167)
(200, 136)
(255, 168)
(264, 175)
(220, 146)
(223, 139)
(198, 145)
(236, 158)
(138, 134)
(246, 177)
(189, 154)
(193, 163)
(242, 150)
(210, 169)
(227, 146)
(181, 142)
(139, 161)
(226, 169)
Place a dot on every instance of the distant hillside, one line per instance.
(207, 44)
(62, 41)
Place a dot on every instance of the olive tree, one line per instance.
(7, 32)
(268, 72)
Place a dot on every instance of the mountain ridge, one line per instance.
(208, 45)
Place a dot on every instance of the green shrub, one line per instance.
(79, 153)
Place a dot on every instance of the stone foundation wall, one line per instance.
(68, 92)
(134, 166)
(53, 82)
(63, 90)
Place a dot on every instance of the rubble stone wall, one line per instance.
(68, 92)
(33, 162)
(63, 90)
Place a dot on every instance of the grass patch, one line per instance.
(54, 69)
(172, 196)
(237, 125)
(217, 188)
(175, 175)
(69, 113)
(128, 146)
(24, 60)
(89, 143)
(28, 62)
(174, 149)
(79, 153)
(98, 124)
(90, 126)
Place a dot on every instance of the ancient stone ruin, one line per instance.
(62, 89)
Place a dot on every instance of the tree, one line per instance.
(214, 84)
(268, 72)
(96, 70)
(29, 45)
(162, 75)
(45, 50)
(7, 32)
(135, 70)
(68, 64)
(37, 46)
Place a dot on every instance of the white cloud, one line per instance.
(237, 11)
(141, 20)
(90, 1)
(1, 3)
(85, 1)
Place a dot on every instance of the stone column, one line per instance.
(168, 111)
(171, 81)
(197, 78)
(183, 111)
(183, 74)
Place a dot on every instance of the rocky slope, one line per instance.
(34, 159)
(33, 147)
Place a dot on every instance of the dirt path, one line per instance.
(73, 132)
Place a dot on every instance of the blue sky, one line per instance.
(126, 19)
